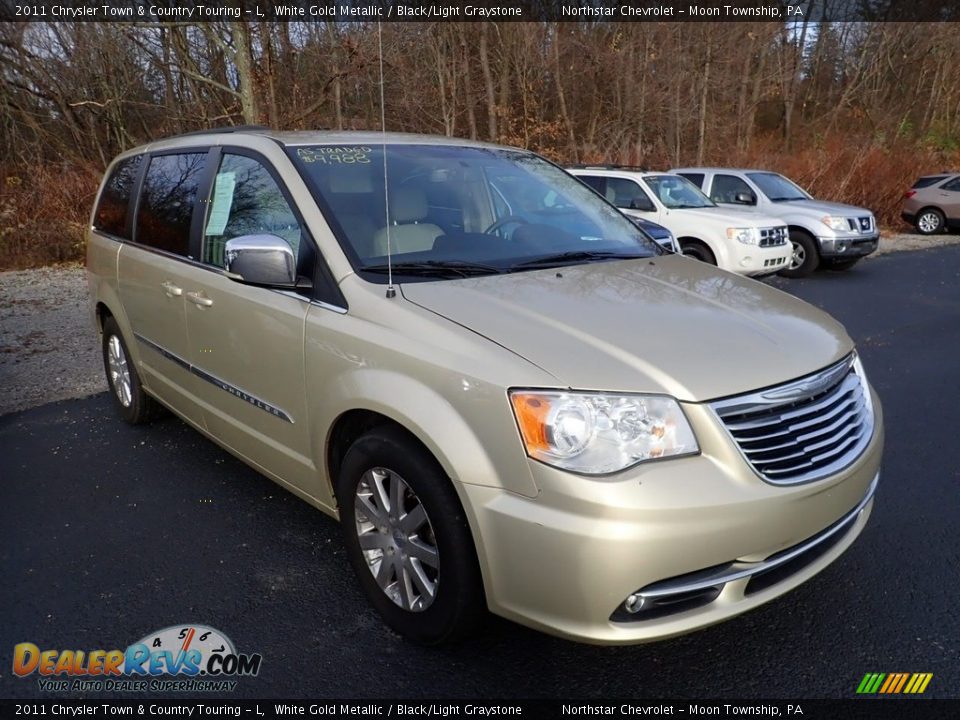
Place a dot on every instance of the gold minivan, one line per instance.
(512, 398)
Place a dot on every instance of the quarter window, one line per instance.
(953, 185)
(166, 201)
(112, 210)
(246, 200)
(726, 188)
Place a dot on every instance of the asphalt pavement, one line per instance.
(109, 532)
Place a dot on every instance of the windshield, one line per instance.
(777, 188)
(455, 211)
(677, 193)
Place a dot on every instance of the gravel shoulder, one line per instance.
(49, 349)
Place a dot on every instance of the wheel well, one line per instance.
(350, 426)
(697, 241)
(930, 207)
(801, 229)
(103, 313)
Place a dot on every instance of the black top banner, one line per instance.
(195, 11)
(536, 709)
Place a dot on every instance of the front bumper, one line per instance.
(753, 260)
(851, 246)
(566, 561)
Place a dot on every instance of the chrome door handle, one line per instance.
(170, 289)
(198, 299)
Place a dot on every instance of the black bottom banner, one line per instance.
(868, 709)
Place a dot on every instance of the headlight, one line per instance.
(748, 236)
(597, 433)
(835, 223)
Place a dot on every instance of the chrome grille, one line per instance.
(803, 430)
(772, 236)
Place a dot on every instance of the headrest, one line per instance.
(407, 205)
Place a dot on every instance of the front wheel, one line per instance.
(408, 540)
(804, 258)
(698, 251)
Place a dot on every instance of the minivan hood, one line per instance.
(664, 325)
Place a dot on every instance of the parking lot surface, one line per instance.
(109, 532)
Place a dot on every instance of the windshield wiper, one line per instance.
(436, 267)
(787, 199)
(573, 256)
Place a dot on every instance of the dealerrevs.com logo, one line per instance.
(186, 658)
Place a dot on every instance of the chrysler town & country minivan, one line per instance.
(509, 395)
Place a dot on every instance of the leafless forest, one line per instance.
(854, 111)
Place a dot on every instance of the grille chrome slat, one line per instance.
(803, 430)
(771, 418)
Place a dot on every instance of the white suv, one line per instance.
(743, 243)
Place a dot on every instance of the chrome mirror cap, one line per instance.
(261, 260)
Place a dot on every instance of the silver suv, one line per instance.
(509, 395)
(822, 233)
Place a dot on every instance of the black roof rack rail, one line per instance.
(227, 129)
(607, 166)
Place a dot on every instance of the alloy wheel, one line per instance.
(397, 539)
(798, 257)
(119, 371)
(928, 222)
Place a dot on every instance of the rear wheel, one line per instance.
(134, 405)
(698, 251)
(407, 538)
(929, 221)
(804, 258)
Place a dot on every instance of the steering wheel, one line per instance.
(504, 221)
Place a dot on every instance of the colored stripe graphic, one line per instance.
(894, 683)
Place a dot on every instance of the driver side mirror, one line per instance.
(261, 260)
(642, 203)
(745, 198)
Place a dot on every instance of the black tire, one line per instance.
(133, 404)
(842, 265)
(929, 221)
(804, 258)
(457, 605)
(698, 251)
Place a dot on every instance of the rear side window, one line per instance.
(112, 210)
(695, 178)
(953, 185)
(167, 200)
(928, 181)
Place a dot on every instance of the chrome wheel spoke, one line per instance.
(375, 482)
(413, 520)
(374, 540)
(371, 512)
(426, 554)
(423, 584)
(383, 572)
(396, 500)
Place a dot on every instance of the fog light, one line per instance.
(746, 261)
(634, 603)
(841, 247)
